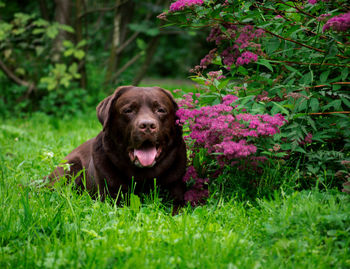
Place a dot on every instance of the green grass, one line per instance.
(62, 229)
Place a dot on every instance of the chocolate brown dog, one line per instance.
(140, 142)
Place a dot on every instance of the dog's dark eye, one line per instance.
(161, 110)
(127, 110)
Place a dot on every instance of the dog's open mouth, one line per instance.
(145, 156)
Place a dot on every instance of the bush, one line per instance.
(44, 76)
(290, 58)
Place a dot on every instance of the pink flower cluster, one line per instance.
(313, 2)
(340, 23)
(187, 101)
(182, 4)
(218, 130)
(198, 192)
(215, 75)
(229, 56)
(208, 58)
(247, 35)
(242, 37)
(246, 57)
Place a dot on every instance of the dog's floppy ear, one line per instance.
(178, 128)
(104, 108)
(171, 97)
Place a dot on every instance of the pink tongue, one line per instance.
(146, 156)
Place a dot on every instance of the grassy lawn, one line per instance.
(63, 229)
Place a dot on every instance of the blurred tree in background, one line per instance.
(59, 56)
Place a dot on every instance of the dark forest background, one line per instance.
(64, 55)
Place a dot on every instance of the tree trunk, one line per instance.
(79, 36)
(127, 11)
(123, 14)
(115, 43)
(44, 11)
(62, 16)
(151, 50)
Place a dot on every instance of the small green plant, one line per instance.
(27, 43)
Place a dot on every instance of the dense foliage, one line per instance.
(281, 57)
(59, 57)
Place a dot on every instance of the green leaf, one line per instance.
(51, 31)
(302, 105)
(50, 82)
(223, 84)
(336, 87)
(312, 123)
(20, 71)
(152, 32)
(314, 104)
(68, 52)
(38, 31)
(79, 54)
(281, 108)
(18, 31)
(22, 18)
(344, 73)
(299, 149)
(324, 76)
(73, 70)
(82, 43)
(265, 63)
(272, 45)
(346, 102)
(66, 28)
(217, 61)
(216, 83)
(65, 81)
(5, 29)
(7, 53)
(333, 50)
(60, 68)
(299, 115)
(39, 50)
(290, 68)
(293, 31)
(242, 70)
(67, 44)
(199, 80)
(41, 22)
(141, 44)
(336, 104)
(307, 79)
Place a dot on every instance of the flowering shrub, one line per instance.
(339, 23)
(279, 58)
(182, 4)
(219, 130)
(198, 193)
(226, 134)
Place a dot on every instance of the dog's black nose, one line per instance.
(148, 125)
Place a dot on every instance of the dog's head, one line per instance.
(141, 121)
